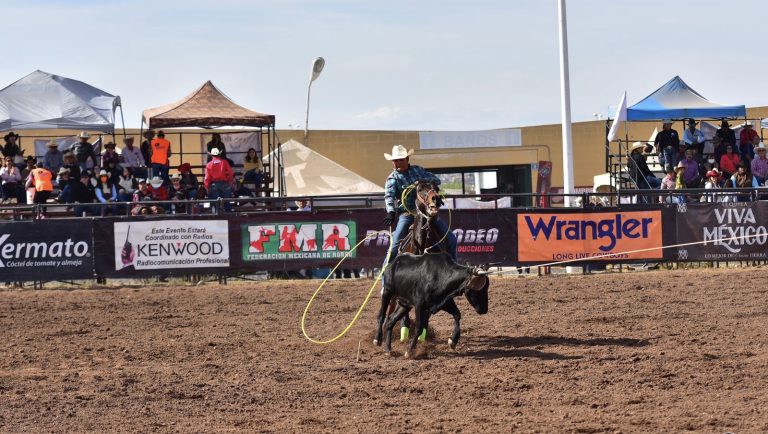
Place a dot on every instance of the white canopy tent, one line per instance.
(47, 101)
(308, 173)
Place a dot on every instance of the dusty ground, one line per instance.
(665, 351)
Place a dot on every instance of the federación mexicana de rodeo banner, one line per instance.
(563, 236)
(729, 231)
(46, 250)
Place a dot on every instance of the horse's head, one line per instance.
(428, 199)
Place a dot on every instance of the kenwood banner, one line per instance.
(170, 244)
(734, 231)
(605, 235)
(46, 250)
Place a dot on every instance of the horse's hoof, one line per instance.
(407, 355)
(376, 342)
(451, 344)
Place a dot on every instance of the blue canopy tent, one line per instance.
(676, 100)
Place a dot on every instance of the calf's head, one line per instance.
(476, 290)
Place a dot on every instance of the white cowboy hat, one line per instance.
(215, 151)
(638, 145)
(84, 135)
(53, 144)
(103, 173)
(666, 121)
(398, 152)
(761, 146)
(156, 181)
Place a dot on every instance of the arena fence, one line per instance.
(240, 244)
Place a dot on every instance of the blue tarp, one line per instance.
(676, 100)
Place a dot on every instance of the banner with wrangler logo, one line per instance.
(605, 235)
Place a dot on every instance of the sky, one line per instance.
(394, 65)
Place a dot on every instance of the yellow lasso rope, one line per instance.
(359, 311)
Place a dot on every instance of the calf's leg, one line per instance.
(393, 318)
(385, 299)
(453, 310)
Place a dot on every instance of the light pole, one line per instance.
(317, 68)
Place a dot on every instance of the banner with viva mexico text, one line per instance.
(728, 231)
(544, 237)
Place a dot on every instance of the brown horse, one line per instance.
(423, 236)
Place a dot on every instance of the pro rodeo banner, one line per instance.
(157, 246)
(733, 231)
(46, 250)
(600, 235)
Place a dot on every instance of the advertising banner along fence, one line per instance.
(563, 236)
(47, 249)
(727, 231)
(164, 245)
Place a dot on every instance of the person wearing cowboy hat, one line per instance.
(110, 159)
(62, 184)
(404, 175)
(83, 150)
(132, 158)
(712, 181)
(727, 135)
(693, 137)
(12, 150)
(759, 164)
(219, 178)
(53, 159)
(638, 168)
(666, 142)
(747, 138)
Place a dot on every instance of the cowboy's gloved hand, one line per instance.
(389, 219)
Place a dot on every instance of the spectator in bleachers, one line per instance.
(219, 178)
(727, 135)
(743, 179)
(680, 180)
(176, 192)
(157, 189)
(760, 163)
(712, 183)
(54, 158)
(677, 156)
(12, 150)
(189, 180)
(693, 138)
(126, 185)
(140, 196)
(132, 158)
(666, 142)
(62, 184)
(692, 174)
(746, 141)
(161, 153)
(253, 168)
(70, 163)
(146, 147)
(106, 193)
(83, 150)
(110, 158)
(729, 161)
(638, 168)
(83, 195)
(11, 181)
(668, 183)
(748, 149)
(30, 163)
(216, 143)
(728, 197)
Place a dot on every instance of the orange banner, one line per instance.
(545, 237)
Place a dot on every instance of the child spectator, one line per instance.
(668, 183)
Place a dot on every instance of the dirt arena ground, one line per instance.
(663, 351)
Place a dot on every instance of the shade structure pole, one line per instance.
(565, 105)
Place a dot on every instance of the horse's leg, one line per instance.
(391, 321)
(453, 310)
(422, 316)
